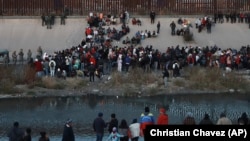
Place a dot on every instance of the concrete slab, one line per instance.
(29, 34)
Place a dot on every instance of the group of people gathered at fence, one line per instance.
(123, 130)
(98, 54)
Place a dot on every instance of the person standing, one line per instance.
(119, 63)
(112, 123)
(68, 133)
(134, 130)
(39, 52)
(43, 19)
(147, 118)
(43, 137)
(163, 117)
(206, 120)
(152, 17)
(123, 129)
(16, 133)
(165, 77)
(158, 27)
(243, 119)
(98, 126)
(224, 120)
(14, 57)
(173, 26)
(63, 16)
(38, 68)
(27, 136)
(91, 70)
(189, 119)
(21, 56)
(29, 55)
(52, 67)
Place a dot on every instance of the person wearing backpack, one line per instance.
(52, 65)
(147, 118)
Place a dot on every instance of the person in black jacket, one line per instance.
(206, 120)
(165, 77)
(113, 123)
(16, 133)
(68, 133)
(91, 70)
(98, 126)
(27, 136)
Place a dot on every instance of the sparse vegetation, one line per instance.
(134, 83)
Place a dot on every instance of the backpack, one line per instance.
(52, 64)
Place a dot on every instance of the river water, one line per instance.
(50, 113)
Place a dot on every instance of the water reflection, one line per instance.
(50, 113)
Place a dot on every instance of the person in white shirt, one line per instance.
(134, 130)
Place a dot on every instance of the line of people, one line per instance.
(124, 131)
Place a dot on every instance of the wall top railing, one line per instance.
(138, 7)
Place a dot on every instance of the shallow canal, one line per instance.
(49, 113)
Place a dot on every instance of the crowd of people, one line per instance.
(99, 54)
(123, 130)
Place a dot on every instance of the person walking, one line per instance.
(16, 133)
(68, 133)
(98, 126)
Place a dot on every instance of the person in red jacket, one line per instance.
(163, 117)
(38, 68)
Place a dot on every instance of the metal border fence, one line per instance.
(140, 7)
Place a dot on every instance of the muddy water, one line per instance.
(50, 113)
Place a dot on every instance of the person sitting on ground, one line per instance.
(149, 34)
(127, 41)
(113, 20)
(154, 34)
(138, 21)
(134, 22)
